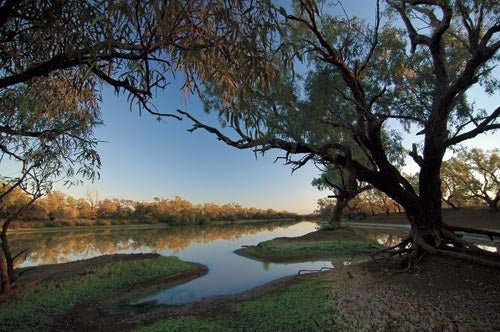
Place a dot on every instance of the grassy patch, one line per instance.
(304, 306)
(291, 248)
(36, 308)
(188, 323)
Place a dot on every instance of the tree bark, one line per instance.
(7, 255)
(338, 210)
(4, 274)
(493, 204)
(6, 258)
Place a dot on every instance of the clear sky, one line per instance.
(143, 158)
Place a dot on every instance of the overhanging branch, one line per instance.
(485, 125)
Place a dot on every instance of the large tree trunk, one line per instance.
(429, 220)
(8, 255)
(338, 210)
(493, 204)
(4, 274)
(6, 263)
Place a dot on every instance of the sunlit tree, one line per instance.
(453, 174)
(46, 133)
(56, 56)
(344, 187)
(479, 174)
(415, 71)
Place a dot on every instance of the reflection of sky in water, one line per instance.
(488, 248)
(61, 246)
(212, 246)
(230, 273)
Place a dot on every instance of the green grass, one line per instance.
(36, 308)
(187, 323)
(304, 306)
(286, 248)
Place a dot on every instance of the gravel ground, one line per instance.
(443, 296)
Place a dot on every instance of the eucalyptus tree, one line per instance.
(454, 176)
(47, 134)
(478, 174)
(55, 57)
(415, 67)
(344, 187)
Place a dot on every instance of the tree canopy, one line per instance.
(55, 57)
(413, 65)
(472, 174)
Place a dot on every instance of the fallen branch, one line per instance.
(324, 268)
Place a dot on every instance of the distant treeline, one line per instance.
(59, 209)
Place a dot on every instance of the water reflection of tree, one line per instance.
(386, 238)
(47, 248)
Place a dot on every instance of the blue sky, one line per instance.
(143, 158)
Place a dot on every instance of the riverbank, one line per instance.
(45, 293)
(467, 217)
(322, 244)
(445, 296)
(83, 227)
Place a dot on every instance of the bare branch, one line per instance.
(484, 126)
(373, 46)
(137, 93)
(415, 156)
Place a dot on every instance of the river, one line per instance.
(212, 246)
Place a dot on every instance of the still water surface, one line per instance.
(212, 246)
(194, 243)
(230, 273)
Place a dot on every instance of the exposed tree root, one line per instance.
(410, 251)
(460, 244)
(389, 252)
(404, 242)
(490, 234)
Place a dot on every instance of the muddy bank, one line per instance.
(118, 313)
(444, 295)
(47, 294)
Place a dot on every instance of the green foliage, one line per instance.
(325, 207)
(472, 174)
(188, 323)
(48, 132)
(362, 84)
(304, 306)
(64, 210)
(37, 307)
(300, 307)
(289, 248)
